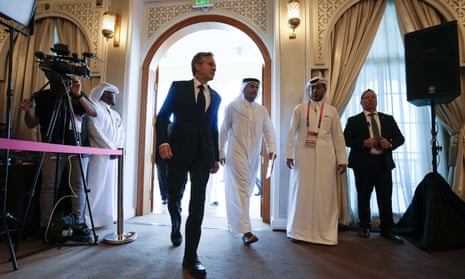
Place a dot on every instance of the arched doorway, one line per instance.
(149, 78)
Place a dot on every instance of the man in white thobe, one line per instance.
(315, 152)
(105, 131)
(246, 124)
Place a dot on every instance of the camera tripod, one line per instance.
(63, 111)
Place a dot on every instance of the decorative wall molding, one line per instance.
(458, 7)
(324, 12)
(159, 14)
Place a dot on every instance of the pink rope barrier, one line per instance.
(24, 145)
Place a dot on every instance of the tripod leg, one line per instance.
(48, 135)
(10, 243)
(5, 214)
(86, 191)
(31, 196)
(77, 141)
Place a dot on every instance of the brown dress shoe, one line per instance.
(249, 238)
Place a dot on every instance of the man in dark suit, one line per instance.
(190, 147)
(372, 136)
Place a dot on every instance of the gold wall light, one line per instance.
(111, 27)
(293, 17)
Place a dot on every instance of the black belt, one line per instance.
(376, 155)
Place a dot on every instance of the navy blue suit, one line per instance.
(372, 170)
(193, 138)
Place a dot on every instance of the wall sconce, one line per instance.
(111, 27)
(293, 18)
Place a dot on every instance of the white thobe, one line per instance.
(105, 131)
(312, 207)
(244, 127)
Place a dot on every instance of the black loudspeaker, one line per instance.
(432, 65)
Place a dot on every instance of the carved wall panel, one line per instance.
(258, 13)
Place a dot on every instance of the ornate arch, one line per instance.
(142, 176)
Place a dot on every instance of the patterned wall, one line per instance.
(258, 13)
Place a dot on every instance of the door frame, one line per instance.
(145, 177)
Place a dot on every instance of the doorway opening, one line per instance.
(237, 56)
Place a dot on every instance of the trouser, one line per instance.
(379, 178)
(52, 174)
(162, 170)
(176, 180)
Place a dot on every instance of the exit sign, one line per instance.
(205, 5)
(202, 2)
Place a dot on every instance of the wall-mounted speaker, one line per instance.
(432, 64)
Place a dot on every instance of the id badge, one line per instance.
(311, 140)
(78, 122)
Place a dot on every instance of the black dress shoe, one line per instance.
(364, 232)
(176, 238)
(392, 236)
(195, 268)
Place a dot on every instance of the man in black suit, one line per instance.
(372, 136)
(190, 147)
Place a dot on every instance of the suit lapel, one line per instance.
(364, 123)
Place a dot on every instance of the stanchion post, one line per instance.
(120, 237)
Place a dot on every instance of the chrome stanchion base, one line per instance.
(120, 237)
(114, 238)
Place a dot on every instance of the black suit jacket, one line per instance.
(357, 130)
(188, 127)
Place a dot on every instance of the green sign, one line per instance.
(202, 2)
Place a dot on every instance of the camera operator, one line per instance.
(39, 109)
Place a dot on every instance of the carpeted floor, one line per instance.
(273, 256)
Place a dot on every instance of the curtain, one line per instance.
(68, 34)
(415, 15)
(384, 72)
(350, 42)
(27, 77)
(452, 116)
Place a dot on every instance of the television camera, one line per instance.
(61, 68)
(63, 64)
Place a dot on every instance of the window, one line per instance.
(384, 72)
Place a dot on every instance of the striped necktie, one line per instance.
(375, 129)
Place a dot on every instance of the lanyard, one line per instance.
(321, 114)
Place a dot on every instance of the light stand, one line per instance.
(20, 14)
(434, 147)
(5, 216)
